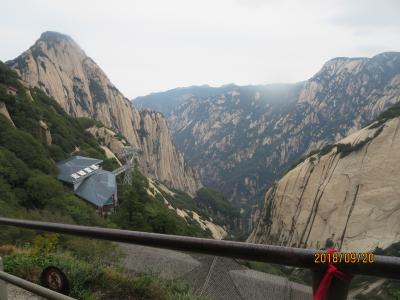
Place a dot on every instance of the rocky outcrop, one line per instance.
(347, 194)
(57, 65)
(242, 138)
(109, 141)
(156, 145)
(108, 138)
(4, 112)
(45, 133)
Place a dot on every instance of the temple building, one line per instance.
(85, 176)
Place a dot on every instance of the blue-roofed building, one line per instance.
(85, 176)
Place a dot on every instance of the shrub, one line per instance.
(7, 249)
(96, 281)
(44, 190)
(25, 148)
(45, 244)
(12, 168)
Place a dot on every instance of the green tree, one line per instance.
(45, 244)
(11, 168)
(132, 203)
(25, 147)
(44, 190)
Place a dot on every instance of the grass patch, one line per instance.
(96, 281)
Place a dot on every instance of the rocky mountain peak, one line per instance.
(54, 36)
(354, 65)
(242, 138)
(51, 40)
(57, 65)
(339, 65)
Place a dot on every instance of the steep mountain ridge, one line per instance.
(244, 138)
(36, 133)
(346, 195)
(57, 65)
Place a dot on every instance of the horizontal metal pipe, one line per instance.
(384, 266)
(32, 287)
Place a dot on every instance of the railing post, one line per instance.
(338, 289)
(3, 285)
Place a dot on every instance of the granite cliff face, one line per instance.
(56, 64)
(347, 194)
(243, 138)
(157, 148)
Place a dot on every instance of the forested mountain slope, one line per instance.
(35, 133)
(59, 67)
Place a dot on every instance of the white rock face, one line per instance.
(56, 64)
(108, 138)
(45, 131)
(353, 200)
(157, 147)
(4, 112)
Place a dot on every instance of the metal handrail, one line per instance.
(32, 287)
(383, 266)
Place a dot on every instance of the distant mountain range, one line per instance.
(166, 102)
(242, 138)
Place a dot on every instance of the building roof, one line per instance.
(77, 168)
(98, 188)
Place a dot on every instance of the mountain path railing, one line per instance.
(26, 285)
(383, 266)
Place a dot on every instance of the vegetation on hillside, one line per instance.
(29, 107)
(28, 185)
(214, 203)
(28, 170)
(29, 190)
(209, 204)
(92, 277)
(137, 210)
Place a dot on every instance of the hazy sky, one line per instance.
(147, 46)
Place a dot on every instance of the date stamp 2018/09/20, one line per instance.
(344, 257)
